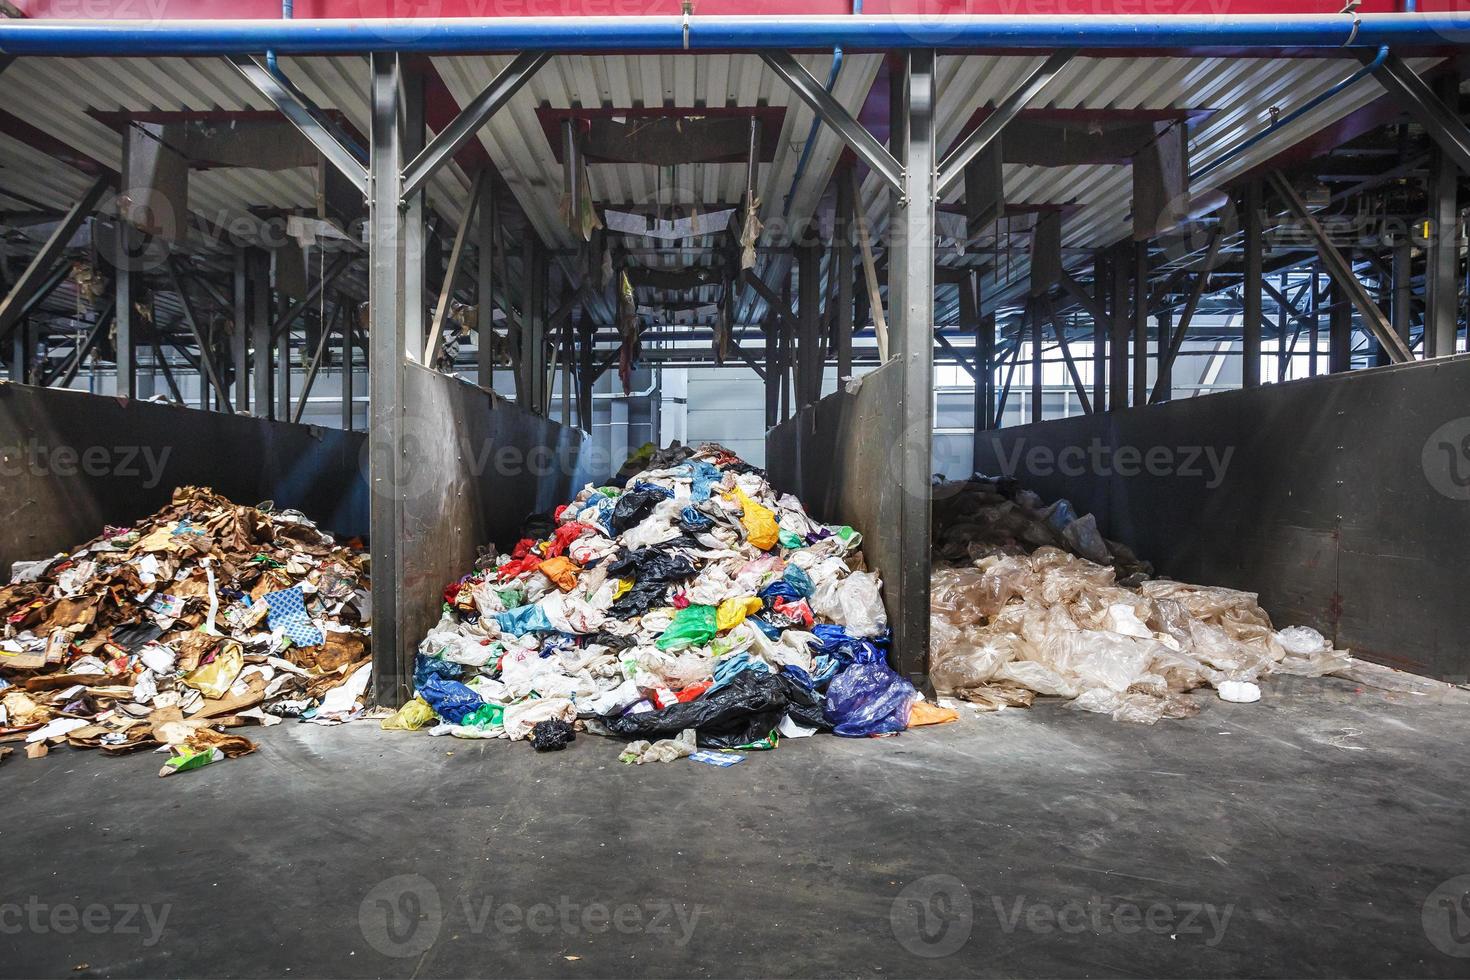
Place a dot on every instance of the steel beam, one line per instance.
(1341, 273)
(449, 140)
(952, 169)
(451, 272)
(867, 146)
(206, 356)
(1441, 121)
(392, 650)
(313, 296)
(38, 272)
(306, 117)
(1164, 383)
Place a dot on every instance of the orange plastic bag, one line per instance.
(924, 713)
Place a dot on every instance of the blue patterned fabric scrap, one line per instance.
(287, 611)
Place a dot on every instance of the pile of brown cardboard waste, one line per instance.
(204, 617)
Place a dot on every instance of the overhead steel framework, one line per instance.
(907, 250)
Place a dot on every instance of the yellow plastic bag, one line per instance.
(624, 586)
(213, 680)
(411, 717)
(759, 522)
(732, 612)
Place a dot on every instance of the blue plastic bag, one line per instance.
(524, 619)
(728, 668)
(705, 478)
(834, 641)
(799, 580)
(868, 699)
(426, 667)
(779, 589)
(693, 521)
(450, 700)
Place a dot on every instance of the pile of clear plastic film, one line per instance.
(1028, 600)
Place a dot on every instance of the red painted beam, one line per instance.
(360, 9)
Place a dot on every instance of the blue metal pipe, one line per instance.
(1295, 114)
(811, 134)
(1431, 31)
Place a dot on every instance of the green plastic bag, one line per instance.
(693, 626)
(485, 716)
(790, 540)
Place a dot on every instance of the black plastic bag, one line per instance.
(552, 735)
(636, 504)
(653, 564)
(746, 710)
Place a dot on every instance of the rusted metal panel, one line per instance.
(1341, 500)
(71, 463)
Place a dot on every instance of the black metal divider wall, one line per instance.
(71, 462)
(1343, 500)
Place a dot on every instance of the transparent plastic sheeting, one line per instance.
(1010, 627)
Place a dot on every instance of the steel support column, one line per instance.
(126, 378)
(240, 335)
(1251, 287)
(485, 234)
(388, 341)
(1339, 331)
(1442, 260)
(1118, 329)
(415, 205)
(261, 341)
(810, 354)
(1140, 323)
(1099, 313)
(911, 295)
(842, 269)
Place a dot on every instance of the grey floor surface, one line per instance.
(1321, 832)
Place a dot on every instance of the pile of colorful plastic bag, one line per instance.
(693, 607)
(1028, 599)
(206, 615)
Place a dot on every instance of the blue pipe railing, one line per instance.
(1294, 114)
(60, 38)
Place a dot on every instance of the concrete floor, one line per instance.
(1302, 836)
